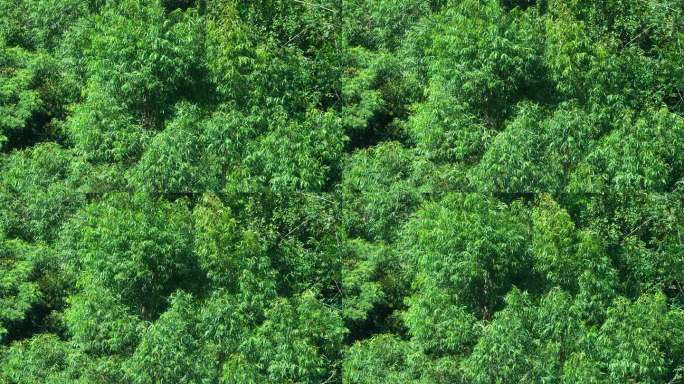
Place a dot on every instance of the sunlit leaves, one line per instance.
(38, 192)
(101, 324)
(44, 358)
(377, 191)
(169, 348)
(484, 56)
(297, 341)
(142, 58)
(231, 257)
(641, 154)
(381, 359)
(466, 249)
(138, 248)
(172, 162)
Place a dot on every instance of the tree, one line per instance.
(169, 348)
(43, 358)
(378, 192)
(382, 359)
(466, 249)
(39, 192)
(137, 247)
(296, 342)
(121, 63)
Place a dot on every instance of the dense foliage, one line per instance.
(341, 191)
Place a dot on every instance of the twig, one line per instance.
(315, 5)
(636, 229)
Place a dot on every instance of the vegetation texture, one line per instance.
(341, 191)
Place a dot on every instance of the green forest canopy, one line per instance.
(341, 191)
